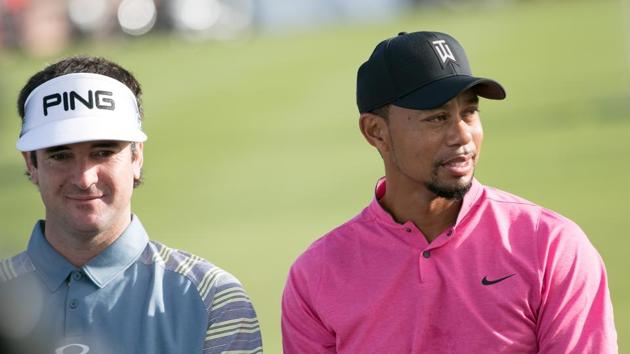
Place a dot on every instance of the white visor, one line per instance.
(79, 107)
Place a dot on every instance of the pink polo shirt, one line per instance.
(508, 277)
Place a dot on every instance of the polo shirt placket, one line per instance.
(78, 287)
(426, 252)
(428, 256)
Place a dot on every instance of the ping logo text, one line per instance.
(69, 100)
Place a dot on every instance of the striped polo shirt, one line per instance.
(137, 296)
(508, 277)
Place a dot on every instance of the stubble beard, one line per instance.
(440, 189)
(452, 192)
(448, 192)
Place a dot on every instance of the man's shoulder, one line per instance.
(519, 207)
(514, 204)
(342, 238)
(497, 195)
(209, 280)
(15, 267)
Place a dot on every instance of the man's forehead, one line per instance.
(88, 144)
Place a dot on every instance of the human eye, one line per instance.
(437, 118)
(59, 156)
(103, 153)
(470, 112)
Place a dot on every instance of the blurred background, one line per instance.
(254, 149)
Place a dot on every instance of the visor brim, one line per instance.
(78, 130)
(439, 92)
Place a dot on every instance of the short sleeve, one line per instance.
(232, 323)
(302, 328)
(575, 314)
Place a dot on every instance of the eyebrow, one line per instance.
(54, 149)
(106, 144)
(102, 144)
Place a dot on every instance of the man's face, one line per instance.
(86, 187)
(437, 148)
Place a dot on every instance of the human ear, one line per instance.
(138, 160)
(31, 168)
(375, 130)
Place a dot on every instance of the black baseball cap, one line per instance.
(419, 70)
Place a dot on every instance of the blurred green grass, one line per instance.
(254, 150)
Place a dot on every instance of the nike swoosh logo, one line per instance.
(485, 280)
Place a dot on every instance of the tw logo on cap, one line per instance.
(99, 99)
(443, 50)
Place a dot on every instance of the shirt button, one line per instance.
(76, 275)
(426, 254)
(74, 303)
(408, 229)
(449, 232)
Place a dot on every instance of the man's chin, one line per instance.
(454, 190)
(87, 228)
(87, 224)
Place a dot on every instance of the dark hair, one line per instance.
(382, 111)
(80, 64)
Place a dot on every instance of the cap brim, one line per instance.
(78, 130)
(438, 92)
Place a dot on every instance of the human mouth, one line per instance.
(84, 198)
(461, 165)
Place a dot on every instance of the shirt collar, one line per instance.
(54, 268)
(470, 199)
(121, 254)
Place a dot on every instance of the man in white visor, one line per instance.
(90, 280)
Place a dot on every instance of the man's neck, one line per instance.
(80, 247)
(431, 214)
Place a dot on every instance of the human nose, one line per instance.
(460, 133)
(85, 174)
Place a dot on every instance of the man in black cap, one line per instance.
(439, 263)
